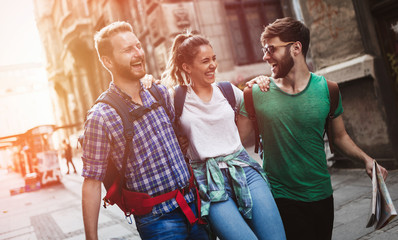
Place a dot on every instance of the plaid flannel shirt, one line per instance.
(156, 164)
(211, 183)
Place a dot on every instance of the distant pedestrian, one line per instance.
(68, 155)
(291, 118)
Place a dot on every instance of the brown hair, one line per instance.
(288, 30)
(184, 49)
(101, 38)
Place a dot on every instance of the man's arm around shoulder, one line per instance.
(91, 200)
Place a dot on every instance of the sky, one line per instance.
(19, 41)
(24, 95)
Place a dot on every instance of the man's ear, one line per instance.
(107, 61)
(186, 68)
(297, 48)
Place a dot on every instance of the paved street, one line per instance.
(54, 212)
(352, 198)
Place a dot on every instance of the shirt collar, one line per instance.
(116, 89)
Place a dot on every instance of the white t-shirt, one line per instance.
(210, 126)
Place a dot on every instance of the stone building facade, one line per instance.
(354, 42)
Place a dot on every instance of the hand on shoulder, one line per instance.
(148, 80)
(262, 81)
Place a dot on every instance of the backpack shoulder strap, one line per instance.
(333, 88)
(122, 109)
(249, 106)
(334, 96)
(117, 103)
(155, 92)
(228, 92)
(179, 100)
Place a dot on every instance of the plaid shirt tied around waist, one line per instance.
(211, 181)
(156, 164)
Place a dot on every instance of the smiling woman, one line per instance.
(202, 71)
(236, 200)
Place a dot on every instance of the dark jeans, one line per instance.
(172, 225)
(307, 220)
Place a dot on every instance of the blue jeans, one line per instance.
(266, 223)
(172, 225)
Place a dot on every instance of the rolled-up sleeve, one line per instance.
(96, 146)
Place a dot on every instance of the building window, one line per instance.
(246, 19)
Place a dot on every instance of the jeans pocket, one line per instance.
(149, 218)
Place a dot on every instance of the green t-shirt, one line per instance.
(292, 127)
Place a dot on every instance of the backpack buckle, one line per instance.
(185, 190)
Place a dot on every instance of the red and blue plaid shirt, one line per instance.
(156, 165)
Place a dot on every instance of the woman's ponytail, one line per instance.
(183, 50)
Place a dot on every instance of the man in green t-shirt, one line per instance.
(291, 118)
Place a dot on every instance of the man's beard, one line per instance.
(285, 65)
(126, 72)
